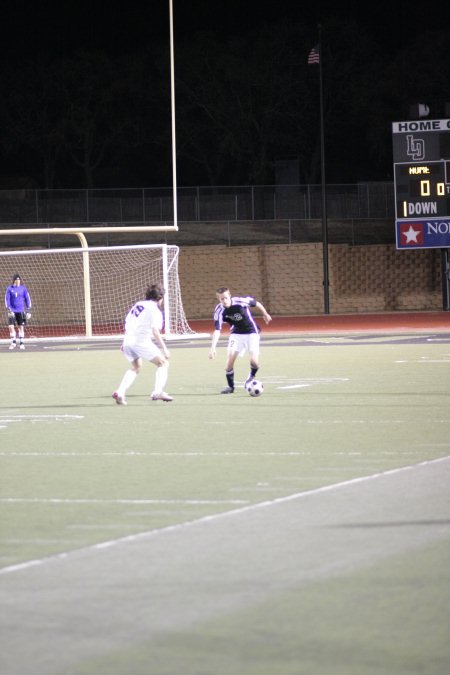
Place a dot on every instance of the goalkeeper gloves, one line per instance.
(11, 314)
(28, 316)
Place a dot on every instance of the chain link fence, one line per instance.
(358, 213)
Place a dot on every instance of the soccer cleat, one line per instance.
(21, 346)
(162, 397)
(12, 345)
(120, 400)
(227, 390)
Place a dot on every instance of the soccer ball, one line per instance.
(255, 387)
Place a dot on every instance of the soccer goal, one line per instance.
(86, 292)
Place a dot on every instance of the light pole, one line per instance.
(172, 97)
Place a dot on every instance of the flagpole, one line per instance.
(326, 289)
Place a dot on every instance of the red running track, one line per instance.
(393, 321)
(325, 323)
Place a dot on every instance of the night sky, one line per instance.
(60, 28)
(49, 32)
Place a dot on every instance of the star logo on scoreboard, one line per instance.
(411, 234)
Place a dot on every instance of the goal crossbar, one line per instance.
(94, 229)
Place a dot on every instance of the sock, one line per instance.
(127, 381)
(161, 375)
(230, 378)
(253, 371)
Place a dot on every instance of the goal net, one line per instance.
(85, 292)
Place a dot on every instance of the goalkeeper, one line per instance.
(18, 305)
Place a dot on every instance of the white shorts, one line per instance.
(242, 342)
(137, 350)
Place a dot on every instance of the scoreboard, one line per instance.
(422, 183)
(423, 189)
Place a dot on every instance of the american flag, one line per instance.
(314, 55)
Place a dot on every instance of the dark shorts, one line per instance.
(19, 319)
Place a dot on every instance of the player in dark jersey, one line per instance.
(244, 332)
(18, 305)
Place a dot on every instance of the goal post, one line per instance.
(87, 291)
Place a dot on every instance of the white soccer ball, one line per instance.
(255, 388)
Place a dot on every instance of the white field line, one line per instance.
(217, 516)
(133, 453)
(282, 379)
(62, 500)
(6, 419)
(20, 418)
(187, 453)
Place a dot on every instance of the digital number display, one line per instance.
(422, 190)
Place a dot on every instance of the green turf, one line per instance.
(391, 619)
(76, 470)
(359, 409)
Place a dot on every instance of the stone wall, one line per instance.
(288, 278)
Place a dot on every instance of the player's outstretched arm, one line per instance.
(266, 316)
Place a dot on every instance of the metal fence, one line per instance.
(357, 214)
(195, 204)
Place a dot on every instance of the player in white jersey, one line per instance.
(143, 340)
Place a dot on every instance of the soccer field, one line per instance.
(302, 532)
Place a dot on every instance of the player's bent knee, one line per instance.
(160, 361)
